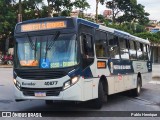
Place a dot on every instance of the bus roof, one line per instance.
(92, 24)
(114, 31)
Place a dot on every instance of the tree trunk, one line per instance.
(49, 9)
(97, 1)
(113, 18)
(20, 12)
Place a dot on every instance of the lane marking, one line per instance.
(154, 82)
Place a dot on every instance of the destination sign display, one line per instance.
(43, 26)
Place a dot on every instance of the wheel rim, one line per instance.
(138, 85)
(9, 62)
(138, 88)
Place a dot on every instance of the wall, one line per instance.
(156, 70)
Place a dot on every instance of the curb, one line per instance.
(5, 66)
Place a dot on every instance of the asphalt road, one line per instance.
(149, 100)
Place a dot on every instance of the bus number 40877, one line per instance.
(51, 83)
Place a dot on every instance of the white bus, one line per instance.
(72, 59)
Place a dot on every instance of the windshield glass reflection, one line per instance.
(62, 53)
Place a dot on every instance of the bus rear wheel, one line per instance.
(136, 92)
(102, 97)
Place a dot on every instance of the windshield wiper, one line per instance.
(30, 41)
(35, 49)
(53, 39)
(46, 49)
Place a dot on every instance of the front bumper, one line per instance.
(73, 93)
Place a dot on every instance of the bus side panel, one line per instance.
(87, 89)
(111, 88)
(95, 88)
(95, 79)
(142, 68)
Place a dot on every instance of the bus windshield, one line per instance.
(50, 51)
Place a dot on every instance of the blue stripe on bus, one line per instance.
(120, 66)
(86, 73)
(79, 20)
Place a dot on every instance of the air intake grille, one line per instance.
(39, 74)
(48, 91)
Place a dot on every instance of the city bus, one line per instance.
(72, 59)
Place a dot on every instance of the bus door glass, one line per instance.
(87, 49)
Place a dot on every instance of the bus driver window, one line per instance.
(87, 49)
(87, 46)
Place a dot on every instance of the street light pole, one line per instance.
(20, 12)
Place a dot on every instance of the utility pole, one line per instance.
(20, 12)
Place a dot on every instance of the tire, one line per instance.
(9, 62)
(102, 97)
(49, 102)
(136, 92)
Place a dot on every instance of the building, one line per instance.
(90, 16)
(107, 14)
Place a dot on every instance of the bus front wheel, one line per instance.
(102, 97)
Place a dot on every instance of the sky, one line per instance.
(151, 6)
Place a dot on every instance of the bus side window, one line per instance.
(148, 52)
(100, 44)
(124, 48)
(113, 46)
(145, 52)
(132, 50)
(87, 45)
(139, 51)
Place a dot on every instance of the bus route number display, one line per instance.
(43, 26)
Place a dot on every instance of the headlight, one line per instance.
(74, 80)
(71, 82)
(17, 84)
(67, 84)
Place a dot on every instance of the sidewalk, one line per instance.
(6, 66)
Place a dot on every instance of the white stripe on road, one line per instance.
(154, 82)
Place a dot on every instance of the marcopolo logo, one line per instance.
(30, 84)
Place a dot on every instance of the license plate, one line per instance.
(40, 94)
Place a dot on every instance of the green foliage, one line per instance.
(132, 12)
(7, 18)
(7, 21)
(101, 18)
(65, 13)
(131, 28)
(82, 5)
(152, 37)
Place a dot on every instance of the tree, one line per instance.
(54, 5)
(97, 2)
(82, 5)
(132, 12)
(7, 20)
(101, 18)
(31, 9)
(113, 5)
(152, 37)
(67, 7)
